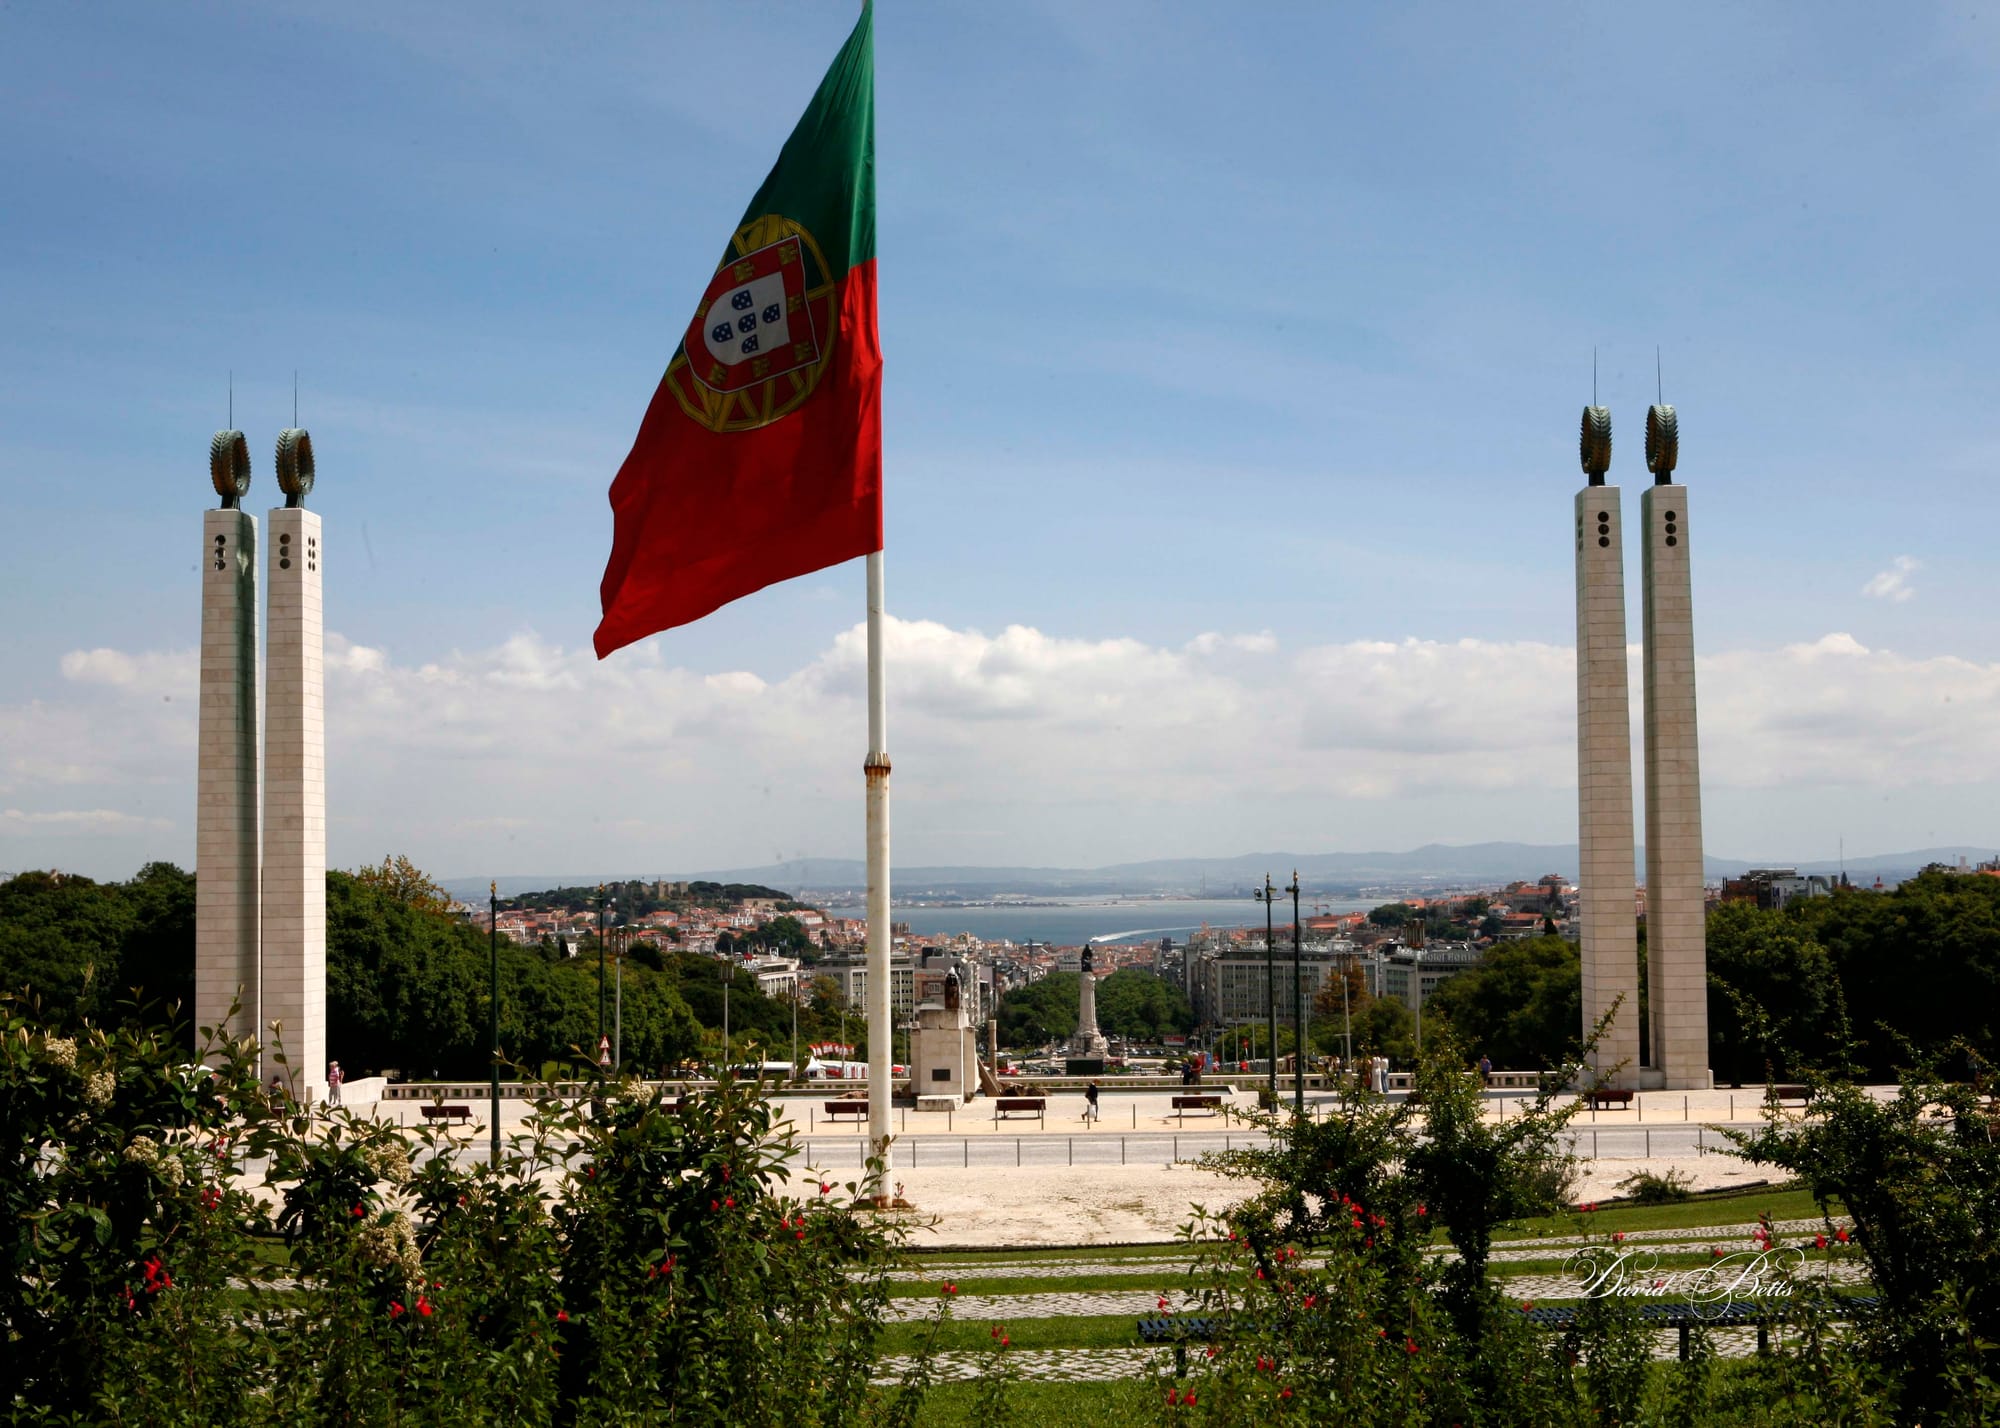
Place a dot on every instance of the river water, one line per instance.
(1070, 924)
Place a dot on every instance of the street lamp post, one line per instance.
(1417, 978)
(1264, 895)
(618, 1007)
(1298, 1009)
(1346, 1015)
(728, 976)
(600, 963)
(493, 1010)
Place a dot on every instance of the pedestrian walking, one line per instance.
(1090, 1111)
(333, 1080)
(1486, 1070)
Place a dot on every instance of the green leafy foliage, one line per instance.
(1041, 1012)
(1522, 1004)
(1141, 1006)
(184, 1251)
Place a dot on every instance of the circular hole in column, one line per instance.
(284, 565)
(1672, 516)
(1604, 515)
(1604, 540)
(1672, 541)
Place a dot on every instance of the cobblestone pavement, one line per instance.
(1037, 1365)
(1000, 1308)
(1102, 1365)
(1732, 1237)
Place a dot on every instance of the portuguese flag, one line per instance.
(760, 457)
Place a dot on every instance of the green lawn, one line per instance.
(1164, 1281)
(1078, 1331)
(1046, 1405)
(1734, 1207)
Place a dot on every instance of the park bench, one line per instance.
(447, 1113)
(1184, 1104)
(836, 1109)
(1005, 1106)
(1180, 1331)
(1723, 1314)
(1605, 1098)
(1801, 1094)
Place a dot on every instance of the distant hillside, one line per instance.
(1431, 865)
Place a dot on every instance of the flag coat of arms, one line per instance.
(760, 457)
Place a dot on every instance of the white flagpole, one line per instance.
(876, 771)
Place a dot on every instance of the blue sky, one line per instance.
(1267, 324)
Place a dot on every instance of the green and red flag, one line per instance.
(760, 457)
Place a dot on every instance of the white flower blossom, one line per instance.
(61, 1050)
(392, 1244)
(98, 1089)
(389, 1160)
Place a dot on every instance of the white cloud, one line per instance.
(532, 756)
(1893, 583)
(72, 821)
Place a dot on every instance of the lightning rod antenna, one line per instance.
(1659, 381)
(1593, 376)
(232, 399)
(295, 396)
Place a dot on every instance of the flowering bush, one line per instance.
(183, 1250)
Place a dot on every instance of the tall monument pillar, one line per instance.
(226, 846)
(294, 962)
(1606, 901)
(1676, 914)
(1088, 1041)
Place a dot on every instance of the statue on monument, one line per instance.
(1088, 1041)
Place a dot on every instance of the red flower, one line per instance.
(725, 1172)
(1005, 1341)
(395, 1310)
(423, 1306)
(1618, 1238)
(1284, 1393)
(1368, 1243)
(950, 1289)
(1840, 1235)
(1409, 1346)
(1526, 1305)
(358, 1212)
(1819, 1241)
(1310, 1300)
(715, 1204)
(1264, 1364)
(1188, 1398)
(825, 1189)
(1163, 1301)
(729, 1202)
(1715, 1252)
(1423, 1209)
(562, 1316)
(1260, 1274)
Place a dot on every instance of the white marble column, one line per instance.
(1606, 903)
(226, 840)
(294, 961)
(1676, 921)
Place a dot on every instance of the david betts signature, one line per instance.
(1752, 1274)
